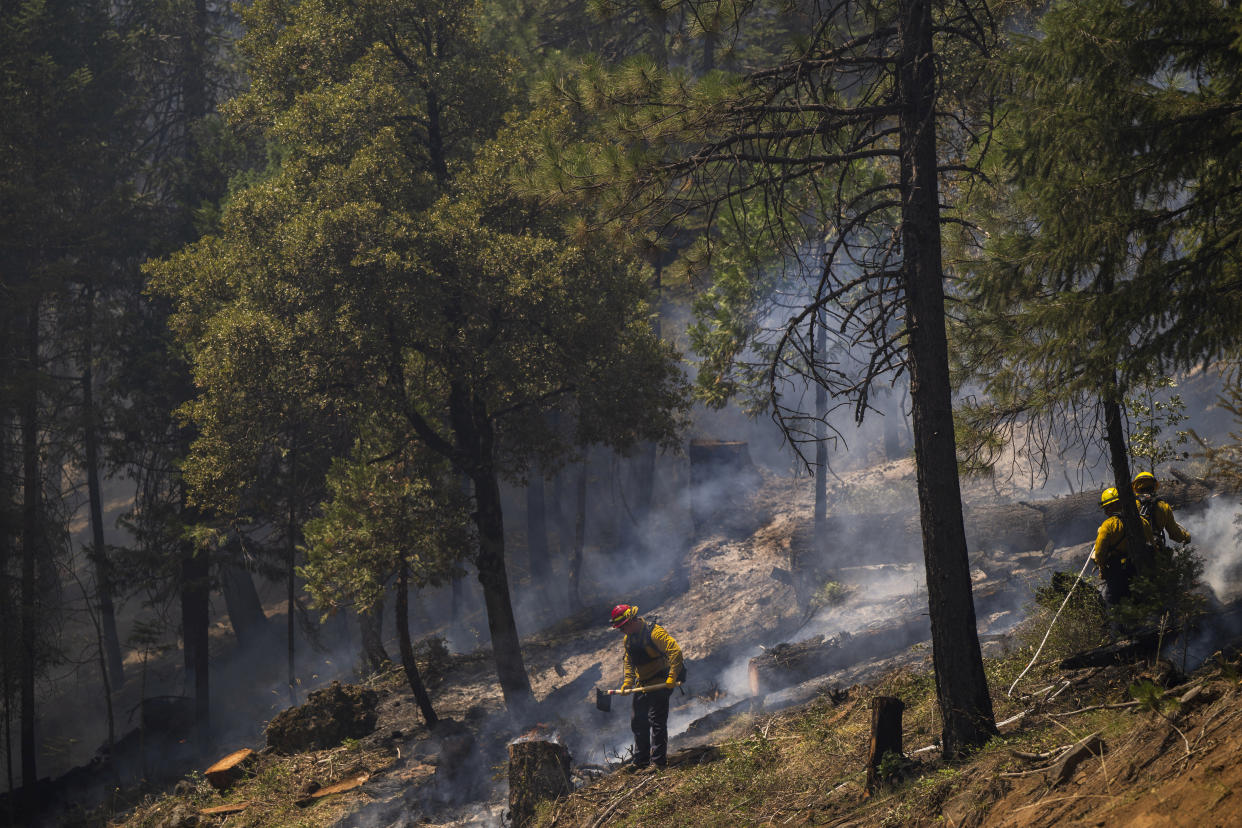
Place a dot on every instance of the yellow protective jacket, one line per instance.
(1163, 522)
(651, 656)
(1110, 541)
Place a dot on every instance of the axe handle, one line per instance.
(646, 689)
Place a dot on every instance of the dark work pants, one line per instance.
(1117, 581)
(650, 726)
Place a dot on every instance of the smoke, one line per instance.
(1215, 532)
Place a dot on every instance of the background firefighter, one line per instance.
(651, 657)
(1157, 512)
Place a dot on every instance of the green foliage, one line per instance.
(1166, 593)
(1150, 417)
(1150, 696)
(384, 508)
(1085, 280)
(830, 594)
(1082, 625)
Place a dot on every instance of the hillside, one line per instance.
(797, 755)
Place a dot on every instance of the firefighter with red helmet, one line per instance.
(652, 660)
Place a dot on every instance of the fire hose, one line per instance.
(1040, 649)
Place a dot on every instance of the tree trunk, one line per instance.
(575, 556)
(537, 530)
(371, 629)
(8, 533)
(475, 454)
(195, 606)
(490, 561)
(1118, 450)
(31, 545)
(821, 445)
(965, 706)
(241, 599)
(407, 648)
(99, 554)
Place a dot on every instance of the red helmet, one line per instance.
(622, 613)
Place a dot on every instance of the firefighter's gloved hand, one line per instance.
(668, 682)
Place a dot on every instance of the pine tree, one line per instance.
(1105, 259)
(849, 136)
(388, 267)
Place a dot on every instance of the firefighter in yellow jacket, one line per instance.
(653, 660)
(1157, 512)
(1112, 554)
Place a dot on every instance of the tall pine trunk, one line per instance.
(961, 685)
(407, 648)
(821, 445)
(99, 554)
(1115, 434)
(195, 624)
(32, 496)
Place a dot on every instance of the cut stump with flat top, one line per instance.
(885, 736)
(538, 770)
(228, 770)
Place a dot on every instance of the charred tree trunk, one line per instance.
(99, 554)
(32, 542)
(885, 736)
(961, 685)
(537, 530)
(407, 648)
(371, 630)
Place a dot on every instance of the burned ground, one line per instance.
(730, 595)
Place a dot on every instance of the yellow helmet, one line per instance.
(1109, 496)
(1145, 482)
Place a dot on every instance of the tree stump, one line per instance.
(885, 737)
(538, 770)
(228, 770)
(722, 476)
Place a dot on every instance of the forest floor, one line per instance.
(1163, 762)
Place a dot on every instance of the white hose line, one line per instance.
(1068, 593)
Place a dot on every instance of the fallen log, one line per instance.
(793, 663)
(340, 787)
(1093, 745)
